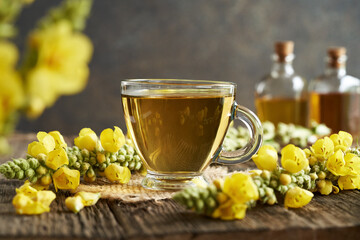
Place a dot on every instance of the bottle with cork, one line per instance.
(334, 97)
(281, 96)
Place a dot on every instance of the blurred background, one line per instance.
(193, 39)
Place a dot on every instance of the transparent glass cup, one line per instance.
(178, 127)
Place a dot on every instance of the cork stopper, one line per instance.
(337, 56)
(283, 49)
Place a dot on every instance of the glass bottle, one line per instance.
(281, 96)
(334, 97)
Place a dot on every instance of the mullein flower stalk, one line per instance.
(328, 166)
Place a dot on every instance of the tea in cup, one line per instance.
(178, 126)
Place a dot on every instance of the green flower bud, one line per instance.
(30, 173)
(138, 166)
(41, 170)
(20, 175)
(33, 179)
(34, 163)
(24, 164)
(121, 158)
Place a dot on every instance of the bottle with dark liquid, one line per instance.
(282, 95)
(335, 96)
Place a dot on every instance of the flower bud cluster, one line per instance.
(201, 200)
(91, 162)
(278, 136)
(262, 180)
(30, 168)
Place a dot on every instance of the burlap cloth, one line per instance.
(134, 192)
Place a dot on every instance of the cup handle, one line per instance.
(253, 124)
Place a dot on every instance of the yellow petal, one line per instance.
(45, 197)
(323, 148)
(352, 164)
(87, 139)
(59, 139)
(116, 173)
(65, 178)
(74, 204)
(297, 197)
(111, 140)
(349, 182)
(241, 188)
(336, 163)
(266, 158)
(57, 158)
(88, 198)
(293, 159)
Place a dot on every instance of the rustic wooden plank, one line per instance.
(326, 217)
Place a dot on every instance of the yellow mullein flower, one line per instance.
(229, 210)
(349, 182)
(59, 139)
(297, 197)
(336, 163)
(111, 140)
(45, 144)
(342, 140)
(11, 90)
(74, 204)
(117, 173)
(60, 67)
(266, 158)
(27, 189)
(352, 164)
(240, 188)
(57, 158)
(28, 200)
(87, 139)
(293, 159)
(65, 178)
(88, 198)
(323, 148)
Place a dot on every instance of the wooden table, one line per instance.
(326, 217)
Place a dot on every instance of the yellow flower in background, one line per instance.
(266, 158)
(111, 140)
(297, 197)
(349, 182)
(229, 210)
(57, 158)
(61, 67)
(342, 140)
(45, 144)
(59, 139)
(87, 139)
(65, 178)
(323, 148)
(240, 188)
(30, 201)
(336, 163)
(293, 159)
(117, 173)
(11, 89)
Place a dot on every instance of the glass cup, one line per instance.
(178, 127)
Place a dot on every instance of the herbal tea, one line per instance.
(282, 110)
(177, 132)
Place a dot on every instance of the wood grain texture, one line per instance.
(326, 217)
